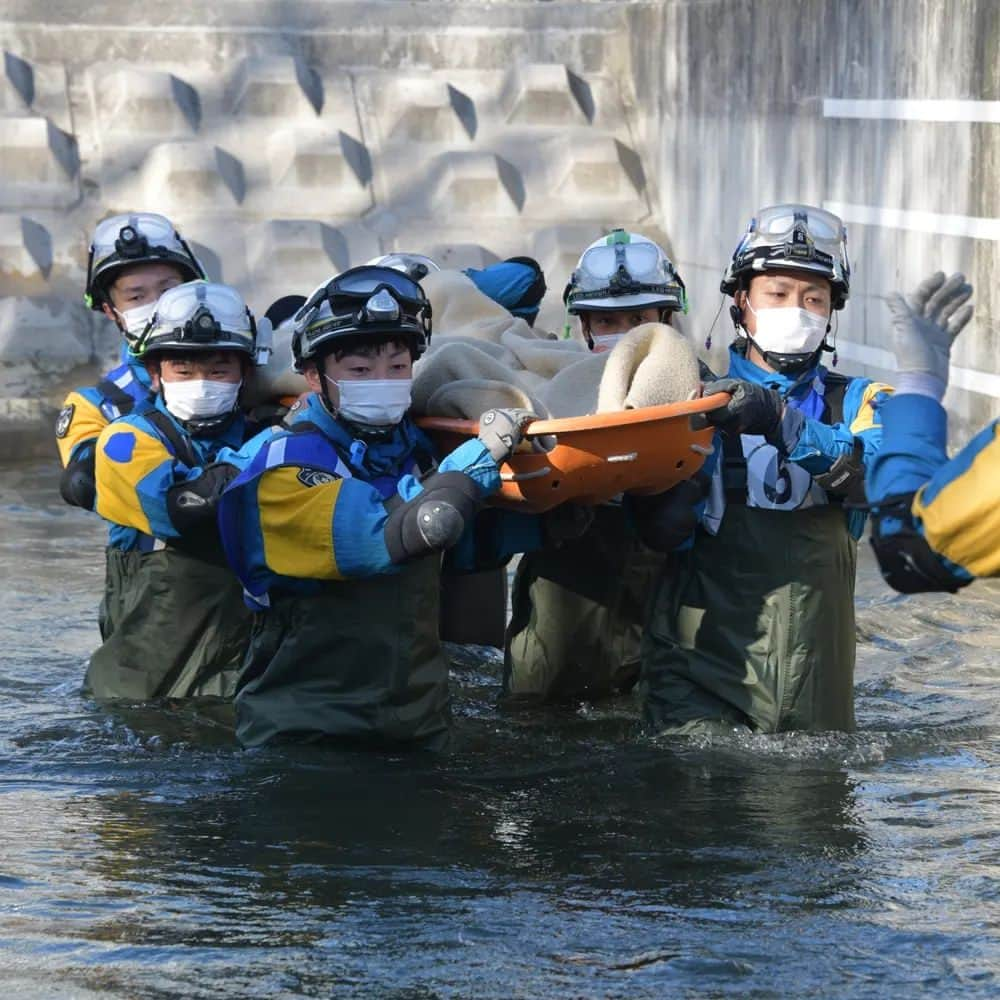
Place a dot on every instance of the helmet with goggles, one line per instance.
(624, 271)
(366, 301)
(199, 316)
(792, 238)
(137, 238)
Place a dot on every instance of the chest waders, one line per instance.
(174, 626)
(358, 663)
(578, 613)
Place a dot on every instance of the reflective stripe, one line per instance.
(276, 453)
(125, 379)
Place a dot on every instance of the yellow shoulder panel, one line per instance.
(125, 456)
(865, 419)
(79, 420)
(296, 525)
(963, 522)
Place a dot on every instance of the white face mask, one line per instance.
(374, 402)
(789, 330)
(136, 318)
(200, 399)
(605, 342)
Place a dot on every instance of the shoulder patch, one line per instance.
(64, 420)
(315, 477)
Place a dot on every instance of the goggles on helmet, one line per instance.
(793, 237)
(136, 238)
(624, 272)
(372, 300)
(199, 316)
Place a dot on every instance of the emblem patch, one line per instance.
(314, 477)
(64, 420)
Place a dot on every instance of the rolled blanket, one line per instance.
(651, 365)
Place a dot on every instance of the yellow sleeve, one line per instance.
(128, 456)
(961, 519)
(79, 420)
(296, 524)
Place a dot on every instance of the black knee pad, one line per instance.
(434, 520)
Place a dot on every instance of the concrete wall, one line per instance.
(290, 140)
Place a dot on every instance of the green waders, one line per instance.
(359, 662)
(174, 626)
(577, 615)
(755, 627)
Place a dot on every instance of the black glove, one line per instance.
(501, 431)
(752, 408)
(665, 520)
(566, 523)
(191, 505)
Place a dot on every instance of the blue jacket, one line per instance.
(311, 505)
(136, 465)
(956, 503)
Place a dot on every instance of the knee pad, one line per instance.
(433, 521)
(78, 485)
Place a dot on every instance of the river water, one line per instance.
(557, 854)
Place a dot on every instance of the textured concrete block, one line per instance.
(17, 85)
(319, 160)
(598, 171)
(276, 86)
(423, 109)
(301, 249)
(136, 100)
(25, 254)
(546, 94)
(38, 164)
(177, 175)
(43, 336)
(457, 256)
(477, 184)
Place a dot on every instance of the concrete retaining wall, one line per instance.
(291, 140)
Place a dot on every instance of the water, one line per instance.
(557, 854)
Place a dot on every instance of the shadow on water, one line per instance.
(553, 853)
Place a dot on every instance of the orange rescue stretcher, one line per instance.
(596, 457)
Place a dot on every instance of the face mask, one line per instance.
(788, 331)
(605, 342)
(200, 399)
(374, 402)
(135, 319)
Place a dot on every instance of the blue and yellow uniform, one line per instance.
(173, 620)
(85, 413)
(936, 523)
(753, 624)
(345, 644)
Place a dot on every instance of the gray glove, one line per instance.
(924, 325)
(501, 431)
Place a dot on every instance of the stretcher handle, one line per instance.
(694, 408)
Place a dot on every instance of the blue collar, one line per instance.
(136, 367)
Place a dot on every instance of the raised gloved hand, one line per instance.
(924, 325)
(501, 431)
(752, 408)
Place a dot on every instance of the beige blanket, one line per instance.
(481, 357)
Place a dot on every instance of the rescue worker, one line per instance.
(336, 530)
(753, 625)
(935, 522)
(174, 624)
(578, 604)
(133, 259)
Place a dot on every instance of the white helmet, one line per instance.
(624, 271)
(414, 265)
(199, 316)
